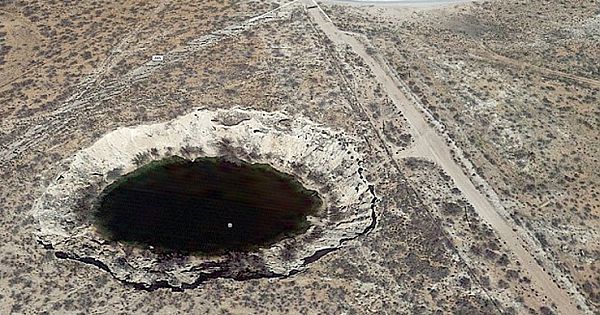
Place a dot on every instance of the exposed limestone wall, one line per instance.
(322, 159)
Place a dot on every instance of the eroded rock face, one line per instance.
(322, 159)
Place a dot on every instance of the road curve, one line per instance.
(432, 145)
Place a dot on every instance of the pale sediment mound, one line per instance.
(322, 159)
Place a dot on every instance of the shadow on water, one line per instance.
(206, 206)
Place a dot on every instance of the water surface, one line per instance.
(208, 205)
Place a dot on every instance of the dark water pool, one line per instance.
(208, 205)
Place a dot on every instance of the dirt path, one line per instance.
(42, 126)
(431, 145)
(495, 57)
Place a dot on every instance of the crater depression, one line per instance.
(112, 197)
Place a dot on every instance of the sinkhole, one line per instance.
(208, 205)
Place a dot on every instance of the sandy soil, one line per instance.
(430, 144)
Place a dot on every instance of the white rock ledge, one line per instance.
(322, 159)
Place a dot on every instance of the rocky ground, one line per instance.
(516, 87)
(428, 252)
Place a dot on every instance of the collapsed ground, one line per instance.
(408, 263)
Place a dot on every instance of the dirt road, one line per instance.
(431, 145)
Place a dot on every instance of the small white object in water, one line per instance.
(230, 225)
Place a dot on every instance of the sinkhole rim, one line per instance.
(324, 158)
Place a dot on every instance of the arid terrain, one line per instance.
(456, 145)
